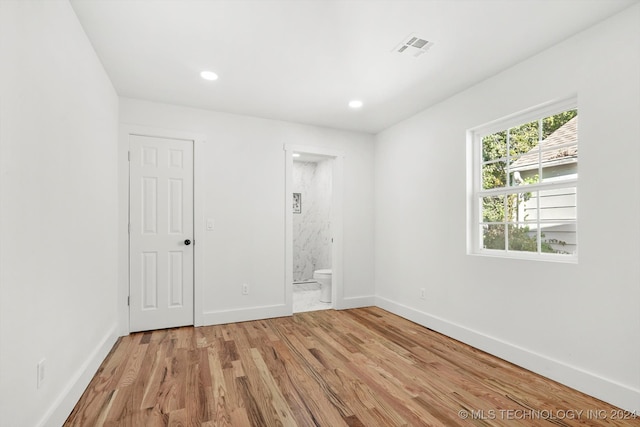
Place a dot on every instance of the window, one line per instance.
(525, 176)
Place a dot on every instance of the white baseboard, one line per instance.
(244, 314)
(64, 404)
(265, 312)
(617, 394)
(356, 302)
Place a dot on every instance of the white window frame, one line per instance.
(476, 192)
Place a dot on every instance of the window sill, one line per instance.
(564, 259)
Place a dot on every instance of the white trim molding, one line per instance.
(357, 302)
(245, 314)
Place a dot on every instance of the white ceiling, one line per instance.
(304, 60)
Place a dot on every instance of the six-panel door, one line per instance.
(161, 233)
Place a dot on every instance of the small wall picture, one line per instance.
(297, 203)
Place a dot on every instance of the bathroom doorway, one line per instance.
(314, 228)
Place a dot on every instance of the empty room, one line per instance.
(319, 213)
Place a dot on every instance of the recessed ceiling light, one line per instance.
(355, 103)
(209, 75)
(296, 154)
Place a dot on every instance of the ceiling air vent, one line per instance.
(413, 45)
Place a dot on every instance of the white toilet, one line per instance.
(324, 278)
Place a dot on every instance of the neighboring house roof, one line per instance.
(565, 138)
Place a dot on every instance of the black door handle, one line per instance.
(187, 242)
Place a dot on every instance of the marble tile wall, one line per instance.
(312, 227)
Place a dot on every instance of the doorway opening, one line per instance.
(312, 237)
(314, 229)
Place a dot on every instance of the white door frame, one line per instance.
(123, 218)
(337, 291)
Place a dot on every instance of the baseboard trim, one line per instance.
(617, 394)
(244, 314)
(64, 404)
(266, 312)
(356, 302)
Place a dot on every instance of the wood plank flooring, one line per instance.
(361, 367)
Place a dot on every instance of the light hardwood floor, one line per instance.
(361, 367)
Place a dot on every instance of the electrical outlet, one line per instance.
(41, 372)
(245, 289)
(423, 293)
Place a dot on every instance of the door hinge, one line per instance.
(129, 228)
(128, 301)
(128, 156)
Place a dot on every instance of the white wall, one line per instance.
(577, 323)
(243, 190)
(58, 196)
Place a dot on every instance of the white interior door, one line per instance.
(160, 233)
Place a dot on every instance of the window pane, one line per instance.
(493, 236)
(558, 204)
(560, 169)
(528, 208)
(493, 209)
(522, 207)
(559, 238)
(523, 177)
(494, 146)
(494, 175)
(524, 138)
(523, 170)
(553, 123)
(522, 238)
